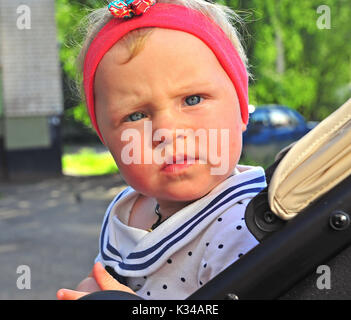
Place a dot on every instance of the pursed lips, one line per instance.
(178, 162)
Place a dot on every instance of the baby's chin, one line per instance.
(185, 191)
(184, 195)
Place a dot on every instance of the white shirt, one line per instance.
(190, 247)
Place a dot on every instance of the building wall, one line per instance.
(32, 101)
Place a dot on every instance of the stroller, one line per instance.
(302, 221)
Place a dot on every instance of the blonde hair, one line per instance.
(222, 15)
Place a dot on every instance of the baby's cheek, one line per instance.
(236, 141)
(138, 176)
(230, 148)
(224, 141)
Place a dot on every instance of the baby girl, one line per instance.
(167, 92)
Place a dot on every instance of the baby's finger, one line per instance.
(106, 281)
(66, 294)
(103, 278)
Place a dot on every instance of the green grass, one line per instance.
(88, 163)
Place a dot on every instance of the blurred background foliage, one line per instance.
(293, 62)
(69, 16)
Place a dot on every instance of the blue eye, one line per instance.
(136, 116)
(193, 100)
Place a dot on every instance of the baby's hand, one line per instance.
(102, 281)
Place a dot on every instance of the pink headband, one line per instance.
(169, 16)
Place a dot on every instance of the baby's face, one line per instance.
(150, 109)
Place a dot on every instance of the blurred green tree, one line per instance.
(69, 14)
(294, 59)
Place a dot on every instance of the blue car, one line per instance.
(270, 129)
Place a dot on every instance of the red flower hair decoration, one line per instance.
(129, 8)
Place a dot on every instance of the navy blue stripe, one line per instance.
(108, 246)
(112, 249)
(140, 254)
(104, 255)
(158, 255)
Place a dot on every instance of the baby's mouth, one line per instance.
(178, 163)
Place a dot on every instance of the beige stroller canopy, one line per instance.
(313, 166)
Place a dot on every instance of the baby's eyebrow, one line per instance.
(196, 85)
(135, 100)
(129, 103)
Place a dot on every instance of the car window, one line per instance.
(259, 118)
(279, 118)
(294, 118)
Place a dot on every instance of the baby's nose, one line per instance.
(168, 123)
(167, 136)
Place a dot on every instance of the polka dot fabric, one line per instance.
(228, 242)
(190, 247)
